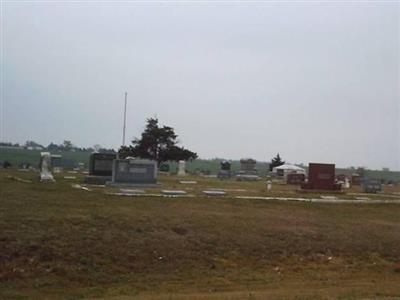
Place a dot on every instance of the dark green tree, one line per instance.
(67, 145)
(157, 143)
(276, 162)
(53, 147)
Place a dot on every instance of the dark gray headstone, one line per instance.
(371, 186)
(100, 164)
(248, 165)
(225, 165)
(56, 161)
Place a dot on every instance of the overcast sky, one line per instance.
(314, 82)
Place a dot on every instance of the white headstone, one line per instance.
(346, 184)
(181, 168)
(45, 164)
(269, 185)
(173, 192)
(214, 193)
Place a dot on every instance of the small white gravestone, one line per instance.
(132, 191)
(181, 168)
(173, 192)
(214, 193)
(45, 164)
(269, 185)
(346, 184)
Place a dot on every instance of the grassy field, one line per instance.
(62, 243)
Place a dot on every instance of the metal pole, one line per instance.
(123, 133)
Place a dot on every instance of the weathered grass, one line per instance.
(61, 243)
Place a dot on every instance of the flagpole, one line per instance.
(124, 128)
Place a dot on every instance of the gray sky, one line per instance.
(314, 82)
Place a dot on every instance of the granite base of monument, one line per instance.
(97, 180)
(224, 174)
(121, 185)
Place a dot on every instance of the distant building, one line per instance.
(284, 170)
(40, 148)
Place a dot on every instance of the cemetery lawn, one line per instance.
(62, 243)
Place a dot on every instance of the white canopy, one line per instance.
(288, 167)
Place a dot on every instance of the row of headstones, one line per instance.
(107, 168)
(104, 168)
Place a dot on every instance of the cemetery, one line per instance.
(256, 157)
(150, 219)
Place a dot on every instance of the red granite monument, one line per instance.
(321, 177)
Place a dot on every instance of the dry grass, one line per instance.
(61, 243)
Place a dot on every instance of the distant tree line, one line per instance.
(3, 144)
(65, 146)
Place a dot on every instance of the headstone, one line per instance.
(248, 166)
(100, 164)
(214, 193)
(132, 191)
(173, 192)
(225, 171)
(45, 167)
(68, 164)
(248, 171)
(371, 186)
(269, 185)
(56, 163)
(134, 172)
(355, 179)
(225, 165)
(81, 187)
(321, 177)
(100, 168)
(181, 168)
(346, 183)
(295, 178)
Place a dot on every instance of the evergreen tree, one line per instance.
(276, 162)
(157, 143)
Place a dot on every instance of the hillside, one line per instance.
(17, 156)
